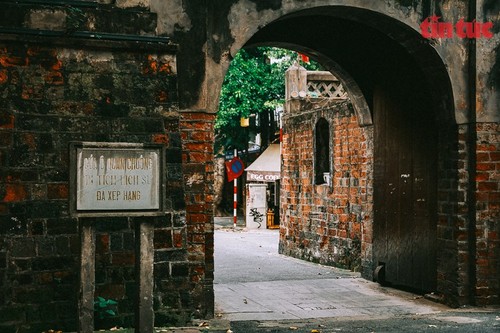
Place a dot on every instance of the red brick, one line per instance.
(202, 136)
(15, 192)
(29, 140)
(6, 121)
(486, 147)
(161, 138)
(485, 166)
(482, 176)
(200, 157)
(197, 218)
(178, 239)
(55, 78)
(482, 157)
(495, 156)
(487, 186)
(196, 126)
(186, 116)
(197, 208)
(204, 147)
(4, 76)
(494, 196)
(162, 97)
(57, 191)
(103, 243)
(165, 68)
(13, 61)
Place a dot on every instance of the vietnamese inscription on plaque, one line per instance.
(117, 179)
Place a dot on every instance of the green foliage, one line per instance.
(104, 308)
(255, 82)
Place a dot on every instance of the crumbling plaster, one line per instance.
(237, 21)
(488, 65)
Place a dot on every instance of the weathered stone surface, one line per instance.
(47, 19)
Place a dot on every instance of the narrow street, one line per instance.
(259, 290)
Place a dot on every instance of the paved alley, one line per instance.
(259, 290)
(254, 282)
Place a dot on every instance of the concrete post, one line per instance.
(87, 278)
(295, 87)
(144, 248)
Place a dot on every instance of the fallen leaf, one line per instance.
(434, 326)
(315, 331)
(294, 328)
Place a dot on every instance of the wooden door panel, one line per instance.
(404, 236)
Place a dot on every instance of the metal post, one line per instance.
(235, 196)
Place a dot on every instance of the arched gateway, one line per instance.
(78, 77)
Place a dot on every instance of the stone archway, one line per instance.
(394, 72)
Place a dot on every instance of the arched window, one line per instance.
(321, 151)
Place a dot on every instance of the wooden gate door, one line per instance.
(405, 197)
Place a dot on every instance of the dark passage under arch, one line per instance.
(408, 92)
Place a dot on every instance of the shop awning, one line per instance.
(267, 167)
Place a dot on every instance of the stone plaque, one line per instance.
(117, 179)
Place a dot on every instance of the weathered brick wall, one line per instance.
(451, 223)
(197, 133)
(487, 289)
(321, 223)
(469, 225)
(49, 97)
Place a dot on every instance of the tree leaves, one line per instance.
(255, 82)
(104, 307)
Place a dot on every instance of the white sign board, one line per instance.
(256, 206)
(261, 176)
(117, 179)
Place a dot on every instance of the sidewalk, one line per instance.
(228, 222)
(254, 282)
(259, 290)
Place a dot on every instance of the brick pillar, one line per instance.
(452, 224)
(197, 133)
(487, 291)
(469, 206)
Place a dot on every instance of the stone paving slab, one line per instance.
(305, 299)
(254, 282)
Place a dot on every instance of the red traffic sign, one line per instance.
(234, 168)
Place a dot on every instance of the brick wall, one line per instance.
(49, 97)
(452, 221)
(322, 223)
(487, 290)
(468, 226)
